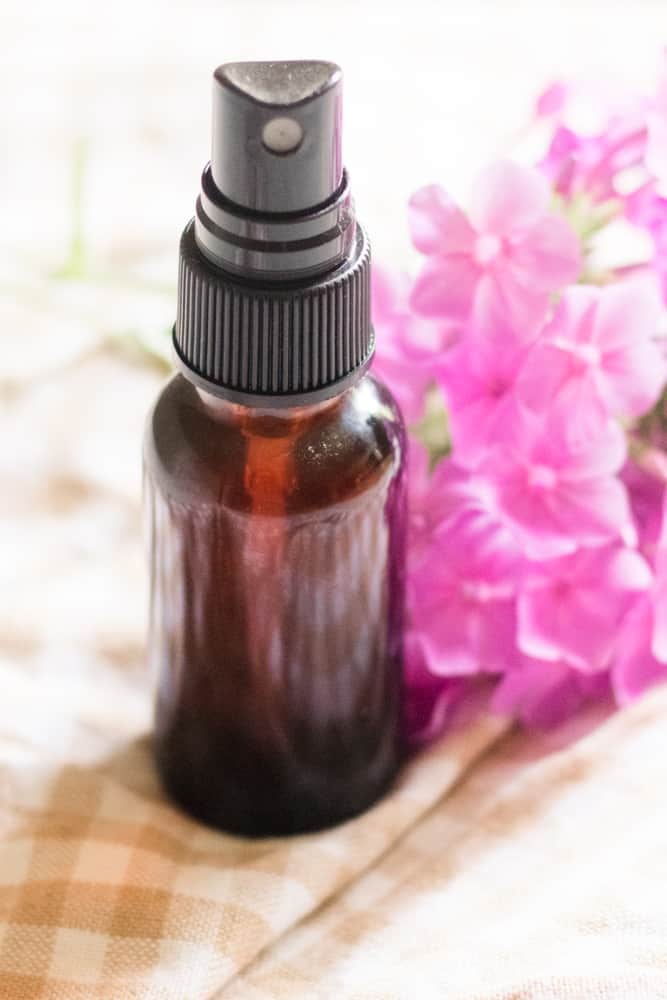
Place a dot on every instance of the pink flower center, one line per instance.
(585, 356)
(561, 589)
(541, 477)
(497, 388)
(487, 249)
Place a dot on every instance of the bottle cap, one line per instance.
(273, 299)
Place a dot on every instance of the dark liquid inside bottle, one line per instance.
(277, 560)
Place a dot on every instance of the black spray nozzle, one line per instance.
(277, 134)
(274, 277)
(275, 201)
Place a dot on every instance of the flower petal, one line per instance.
(602, 457)
(575, 630)
(429, 700)
(549, 255)
(594, 511)
(526, 307)
(635, 668)
(659, 641)
(445, 635)
(437, 225)
(633, 379)
(627, 312)
(531, 517)
(570, 609)
(507, 198)
(388, 290)
(544, 373)
(541, 694)
(587, 416)
(445, 288)
(552, 99)
(656, 146)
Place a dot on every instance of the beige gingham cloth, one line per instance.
(492, 871)
(108, 892)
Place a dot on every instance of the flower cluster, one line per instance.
(532, 385)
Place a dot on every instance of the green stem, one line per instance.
(75, 262)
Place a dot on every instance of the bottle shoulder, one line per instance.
(273, 461)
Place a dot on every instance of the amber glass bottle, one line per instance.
(274, 485)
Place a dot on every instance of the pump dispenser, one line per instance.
(274, 480)
(275, 210)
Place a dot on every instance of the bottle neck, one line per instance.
(265, 419)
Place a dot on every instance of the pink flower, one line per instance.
(636, 667)
(641, 647)
(553, 99)
(434, 498)
(405, 342)
(592, 164)
(598, 357)
(588, 106)
(659, 592)
(599, 132)
(461, 596)
(430, 699)
(648, 209)
(543, 694)
(553, 496)
(569, 609)
(656, 145)
(478, 378)
(645, 491)
(511, 247)
(445, 496)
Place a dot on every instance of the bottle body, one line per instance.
(277, 572)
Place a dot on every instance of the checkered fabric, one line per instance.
(535, 879)
(108, 892)
(502, 867)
